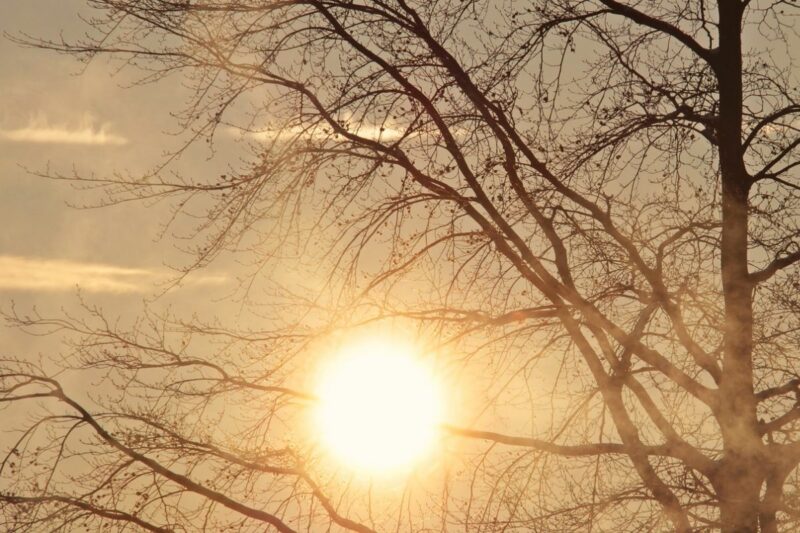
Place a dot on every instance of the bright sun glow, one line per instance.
(379, 406)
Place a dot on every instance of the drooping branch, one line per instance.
(774, 266)
(67, 502)
(565, 450)
(661, 26)
(180, 479)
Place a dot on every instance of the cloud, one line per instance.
(383, 133)
(777, 129)
(39, 130)
(38, 274)
(371, 132)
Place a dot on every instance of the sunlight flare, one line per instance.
(380, 406)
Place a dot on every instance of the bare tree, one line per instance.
(593, 204)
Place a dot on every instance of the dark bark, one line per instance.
(740, 478)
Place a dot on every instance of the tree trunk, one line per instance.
(741, 471)
(767, 518)
(738, 487)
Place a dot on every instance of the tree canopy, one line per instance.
(588, 210)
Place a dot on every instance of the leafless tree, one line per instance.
(593, 205)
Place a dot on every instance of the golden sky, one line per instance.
(57, 115)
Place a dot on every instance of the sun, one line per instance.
(379, 406)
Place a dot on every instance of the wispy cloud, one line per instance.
(374, 133)
(37, 274)
(383, 133)
(40, 130)
(783, 127)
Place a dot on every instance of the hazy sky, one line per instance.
(57, 114)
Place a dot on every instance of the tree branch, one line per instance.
(659, 25)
